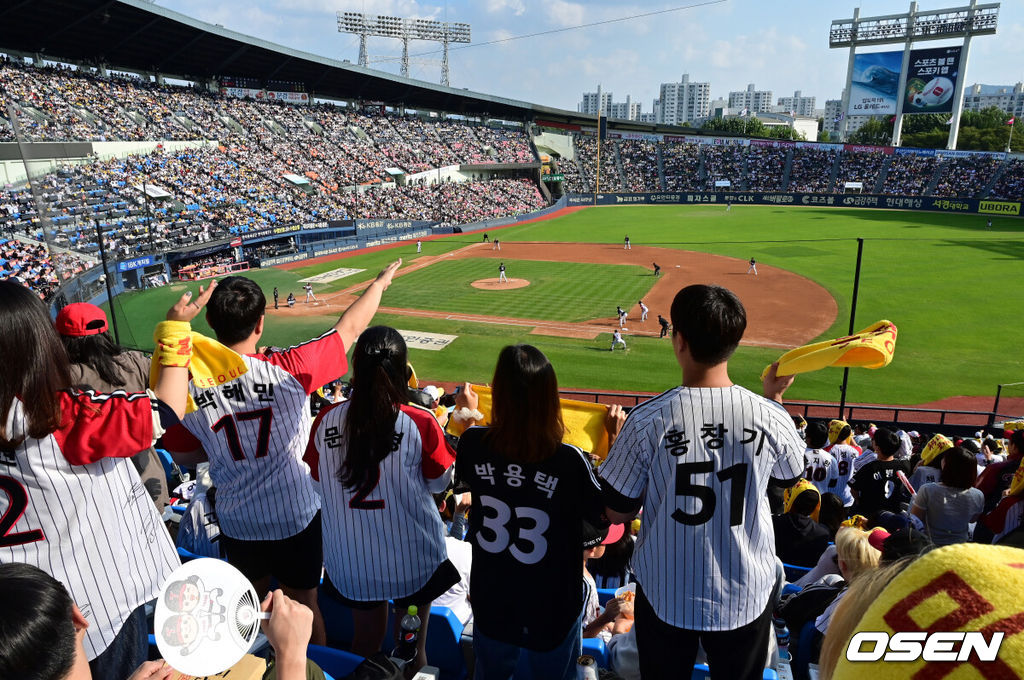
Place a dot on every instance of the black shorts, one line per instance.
(296, 561)
(444, 577)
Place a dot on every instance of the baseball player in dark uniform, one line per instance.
(501, 273)
(663, 322)
(657, 269)
(752, 267)
(254, 431)
(275, 297)
(699, 459)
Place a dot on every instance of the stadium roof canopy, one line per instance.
(140, 36)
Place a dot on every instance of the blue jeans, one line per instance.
(128, 650)
(497, 660)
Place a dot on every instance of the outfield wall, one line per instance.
(966, 206)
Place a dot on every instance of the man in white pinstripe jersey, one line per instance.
(698, 459)
(254, 431)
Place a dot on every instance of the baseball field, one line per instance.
(952, 287)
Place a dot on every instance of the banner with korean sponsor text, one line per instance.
(931, 80)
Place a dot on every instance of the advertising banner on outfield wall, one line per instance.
(949, 205)
(875, 83)
(931, 80)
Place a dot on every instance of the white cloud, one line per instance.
(565, 13)
(515, 6)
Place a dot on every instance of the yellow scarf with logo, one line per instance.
(212, 364)
(872, 347)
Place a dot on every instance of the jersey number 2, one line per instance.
(737, 474)
(227, 423)
(17, 502)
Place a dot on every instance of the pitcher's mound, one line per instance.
(493, 284)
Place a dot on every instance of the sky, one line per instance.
(779, 45)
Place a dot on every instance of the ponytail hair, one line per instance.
(379, 387)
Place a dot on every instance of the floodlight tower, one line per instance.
(365, 25)
(905, 29)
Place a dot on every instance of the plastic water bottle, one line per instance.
(405, 650)
(782, 637)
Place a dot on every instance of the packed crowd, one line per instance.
(763, 163)
(639, 165)
(38, 269)
(724, 164)
(811, 169)
(909, 175)
(859, 166)
(682, 166)
(399, 493)
(1010, 186)
(965, 177)
(586, 158)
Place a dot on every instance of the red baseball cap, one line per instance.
(81, 318)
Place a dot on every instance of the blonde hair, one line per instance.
(861, 594)
(855, 552)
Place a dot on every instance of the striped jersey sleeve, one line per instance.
(438, 455)
(313, 363)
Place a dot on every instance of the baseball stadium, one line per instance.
(149, 156)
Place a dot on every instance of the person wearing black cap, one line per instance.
(99, 364)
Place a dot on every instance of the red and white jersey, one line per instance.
(72, 504)
(254, 430)
(388, 542)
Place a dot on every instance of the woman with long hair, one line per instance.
(531, 494)
(378, 461)
(98, 363)
(78, 509)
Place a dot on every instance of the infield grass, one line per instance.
(951, 286)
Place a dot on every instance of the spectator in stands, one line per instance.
(950, 505)
(799, 538)
(268, 539)
(611, 570)
(997, 477)
(97, 363)
(43, 632)
(454, 509)
(378, 461)
(730, 617)
(832, 514)
(857, 553)
(875, 485)
(929, 468)
(519, 462)
(991, 453)
(65, 448)
(616, 616)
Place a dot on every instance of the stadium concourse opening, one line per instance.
(784, 309)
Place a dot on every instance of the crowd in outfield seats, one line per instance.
(763, 163)
(724, 163)
(639, 165)
(811, 170)
(682, 165)
(1010, 185)
(965, 177)
(859, 166)
(909, 175)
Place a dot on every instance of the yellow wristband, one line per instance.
(173, 343)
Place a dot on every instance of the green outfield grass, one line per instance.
(951, 286)
(559, 291)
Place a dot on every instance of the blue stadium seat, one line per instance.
(605, 594)
(789, 589)
(187, 555)
(596, 648)
(444, 650)
(334, 662)
(804, 651)
(337, 620)
(701, 672)
(793, 571)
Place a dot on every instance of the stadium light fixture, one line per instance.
(366, 25)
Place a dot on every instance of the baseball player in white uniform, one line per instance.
(643, 311)
(617, 339)
(501, 273)
(309, 292)
(254, 431)
(419, 246)
(752, 267)
(699, 459)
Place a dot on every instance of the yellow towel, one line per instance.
(212, 364)
(936, 445)
(834, 428)
(963, 587)
(584, 422)
(872, 347)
